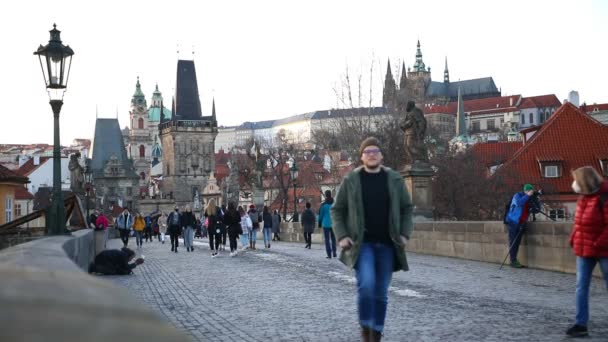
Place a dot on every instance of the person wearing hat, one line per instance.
(516, 221)
(372, 220)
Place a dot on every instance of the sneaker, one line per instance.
(516, 264)
(577, 331)
(335, 255)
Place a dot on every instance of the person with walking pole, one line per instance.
(372, 218)
(516, 221)
(589, 239)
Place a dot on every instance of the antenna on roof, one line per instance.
(177, 50)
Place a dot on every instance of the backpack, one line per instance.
(175, 219)
(255, 219)
(507, 210)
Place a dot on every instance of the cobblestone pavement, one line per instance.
(288, 293)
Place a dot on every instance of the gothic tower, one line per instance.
(139, 140)
(188, 140)
(446, 73)
(419, 77)
(389, 93)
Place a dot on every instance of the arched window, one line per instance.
(531, 118)
(523, 119)
(142, 176)
(140, 123)
(142, 151)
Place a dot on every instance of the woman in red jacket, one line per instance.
(589, 239)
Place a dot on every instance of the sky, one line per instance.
(265, 60)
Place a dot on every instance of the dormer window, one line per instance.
(604, 166)
(551, 166)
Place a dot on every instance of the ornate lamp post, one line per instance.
(293, 170)
(55, 61)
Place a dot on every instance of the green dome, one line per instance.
(154, 114)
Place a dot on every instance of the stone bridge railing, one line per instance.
(45, 295)
(544, 246)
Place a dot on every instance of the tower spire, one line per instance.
(461, 128)
(419, 65)
(213, 110)
(389, 95)
(446, 73)
(403, 81)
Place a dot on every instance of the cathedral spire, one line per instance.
(138, 97)
(213, 110)
(461, 127)
(403, 81)
(389, 94)
(446, 73)
(419, 65)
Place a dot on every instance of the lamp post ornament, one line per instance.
(55, 61)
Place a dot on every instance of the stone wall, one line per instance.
(544, 246)
(46, 296)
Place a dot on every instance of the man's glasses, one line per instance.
(371, 151)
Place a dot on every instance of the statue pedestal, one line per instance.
(417, 177)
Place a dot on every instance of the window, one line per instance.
(476, 126)
(142, 151)
(502, 121)
(129, 191)
(8, 209)
(491, 124)
(140, 123)
(531, 118)
(18, 212)
(551, 171)
(142, 175)
(523, 119)
(557, 214)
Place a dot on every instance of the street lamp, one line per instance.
(293, 170)
(55, 61)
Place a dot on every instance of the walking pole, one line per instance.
(509, 251)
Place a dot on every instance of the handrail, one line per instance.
(69, 202)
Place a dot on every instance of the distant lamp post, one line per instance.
(55, 61)
(293, 170)
(88, 187)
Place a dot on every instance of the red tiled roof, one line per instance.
(540, 101)
(495, 153)
(7, 175)
(221, 171)
(594, 107)
(22, 194)
(570, 135)
(28, 167)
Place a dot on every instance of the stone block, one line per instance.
(423, 226)
(473, 251)
(562, 228)
(457, 236)
(429, 246)
(475, 227)
(473, 237)
(445, 248)
(495, 227)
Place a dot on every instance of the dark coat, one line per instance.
(232, 220)
(171, 228)
(308, 221)
(188, 219)
(267, 218)
(276, 223)
(112, 262)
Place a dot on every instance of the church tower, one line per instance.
(188, 140)
(419, 77)
(389, 94)
(139, 140)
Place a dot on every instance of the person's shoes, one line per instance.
(175, 249)
(376, 336)
(268, 245)
(335, 255)
(516, 264)
(92, 267)
(328, 257)
(577, 331)
(366, 334)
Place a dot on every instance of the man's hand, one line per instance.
(346, 243)
(403, 241)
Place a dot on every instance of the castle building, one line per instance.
(417, 85)
(188, 141)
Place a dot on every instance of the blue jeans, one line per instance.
(267, 235)
(139, 237)
(328, 233)
(515, 239)
(188, 237)
(584, 269)
(244, 239)
(374, 269)
(253, 234)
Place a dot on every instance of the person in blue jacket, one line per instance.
(325, 223)
(516, 221)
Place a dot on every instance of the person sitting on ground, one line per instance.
(115, 262)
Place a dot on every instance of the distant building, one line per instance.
(116, 183)
(597, 111)
(10, 184)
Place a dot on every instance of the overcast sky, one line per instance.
(270, 59)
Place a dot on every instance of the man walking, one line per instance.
(372, 217)
(325, 222)
(516, 221)
(124, 222)
(308, 224)
(174, 221)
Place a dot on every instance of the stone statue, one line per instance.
(414, 127)
(76, 173)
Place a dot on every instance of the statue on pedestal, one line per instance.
(414, 127)
(76, 173)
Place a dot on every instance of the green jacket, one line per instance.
(348, 216)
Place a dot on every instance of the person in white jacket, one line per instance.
(247, 227)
